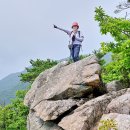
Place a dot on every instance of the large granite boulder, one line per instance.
(85, 116)
(120, 105)
(63, 82)
(35, 123)
(115, 85)
(56, 92)
(51, 110)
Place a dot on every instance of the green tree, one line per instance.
(119, 28)
(36, 68)
(3, 116)
(14, 115)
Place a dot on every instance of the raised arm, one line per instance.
(66, 31)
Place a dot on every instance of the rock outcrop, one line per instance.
(89, 113)
(115, 85)
(51, 110)
(35, 123)
(63, 98)
(63, 82)
(120, 105)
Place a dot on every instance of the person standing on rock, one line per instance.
(75, 42)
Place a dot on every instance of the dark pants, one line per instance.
(74, 51)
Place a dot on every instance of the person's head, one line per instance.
(75, 26)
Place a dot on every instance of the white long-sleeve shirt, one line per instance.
(78, 39)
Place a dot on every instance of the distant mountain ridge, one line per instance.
(9, 85)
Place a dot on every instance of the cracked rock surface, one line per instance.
(62, 98)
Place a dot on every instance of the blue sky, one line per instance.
(26, 30)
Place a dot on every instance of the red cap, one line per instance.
(75, 24)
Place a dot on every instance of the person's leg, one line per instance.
(76, 52)
(72, 52)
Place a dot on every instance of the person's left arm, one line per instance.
(81, 38)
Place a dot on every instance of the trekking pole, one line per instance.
(81, 48)
(70, 52)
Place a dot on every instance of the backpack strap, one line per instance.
(79, 33)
